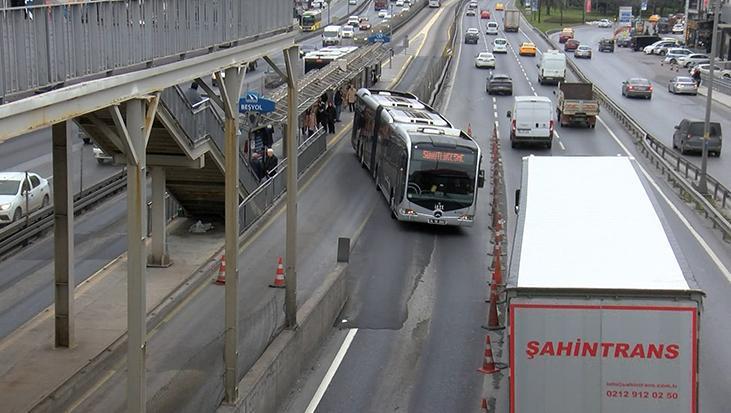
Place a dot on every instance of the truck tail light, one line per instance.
(512, 125)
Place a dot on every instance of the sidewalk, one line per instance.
(31, 368)
(717, 97)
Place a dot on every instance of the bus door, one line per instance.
(374, 139)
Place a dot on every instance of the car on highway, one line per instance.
(676, 53)
(655, 47)
(682, 84)
(353, 2)
(499, 83)
(583, 52)
(101, 156)
(604, 24)
(637, 87)
(353, 21)
(472, 5)
(527, 49)
(472, 35)
(470, 12)
(484, 14)
(382, 13)
(347, 32)
(531, 121)
(606, 45)
(485, 59)
(499, 7)
(399, 3)
(566, 34)
(364, 24)
(624, 41)
(22, 192)
(688, 136)
(500, 45)
(405, 8)
(571, 45)
(693, 59)
(678, 28)
(492, 28)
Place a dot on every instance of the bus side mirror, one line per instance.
(510, 114)
(481, 178)
(517, 201)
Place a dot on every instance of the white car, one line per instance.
(604, 23)
(485, 59)
(353, 21)
(676, 53)
(101, 156)
(399, 3)
(491, 28)
(382, 13)
(678, 28)
(470, 12)
(352, 2)
(19, 194)
(500, 45)
(693, 59)
(347, 32)
(406, 8)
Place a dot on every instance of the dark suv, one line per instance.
(606, 45)
(471, 37)
(688, 136)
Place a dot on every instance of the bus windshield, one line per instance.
(308, 20)
(443, 176)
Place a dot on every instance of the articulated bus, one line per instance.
(311, 20)
(380, 4)
(427, 170)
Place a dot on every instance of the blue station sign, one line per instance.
(254, 102)
(379, 38)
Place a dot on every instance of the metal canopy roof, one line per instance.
(317, 82)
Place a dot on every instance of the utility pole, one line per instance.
(685, 27)
(703, 183)
(291, 62)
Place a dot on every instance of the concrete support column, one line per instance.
(63, 235)
(136, 256)
(159, 249)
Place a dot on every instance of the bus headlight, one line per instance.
(407, 211)
(465, 217)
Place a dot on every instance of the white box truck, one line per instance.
(552, 67)
(331, 36)
(603, 316)
(511, 20)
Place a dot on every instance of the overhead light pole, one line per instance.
(703, 182)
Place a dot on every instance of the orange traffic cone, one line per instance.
(493, 322)
(221, 279)
(483, 406)
(488, 364)
(497, 272)
(279, 276)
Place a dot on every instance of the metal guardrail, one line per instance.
(268, 193)
(20, 232)
(679, 171)
(720, 84)
(47, 45)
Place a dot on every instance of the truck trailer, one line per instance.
(576, 104)
(602, 314)
(511, 20)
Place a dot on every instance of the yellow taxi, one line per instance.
(499, 7)
(527, 49)
(654, 18)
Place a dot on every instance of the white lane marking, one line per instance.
(494, 106)
(494, 100)
(494, 114)
(563, 148)
(677, 212)
(331, 371)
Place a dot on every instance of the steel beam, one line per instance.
(36, 112)
(230, 88)
(136, 257)
(291, 60)
(159, 242)
(63, 235)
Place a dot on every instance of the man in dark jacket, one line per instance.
(338, 104)
(269, 163)
(331, 116)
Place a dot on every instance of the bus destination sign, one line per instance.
(440, 156)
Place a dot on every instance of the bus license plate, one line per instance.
(437, 221)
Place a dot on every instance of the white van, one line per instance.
(331, 36)
(552, 67)
(531, 121)
(347, 32)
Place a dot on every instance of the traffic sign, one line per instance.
(254, 102)
(379, 38)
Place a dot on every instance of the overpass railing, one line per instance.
(47, 46)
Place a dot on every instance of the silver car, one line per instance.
(637, 87)
(582, 51)
(20, 193)
(682, 84)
